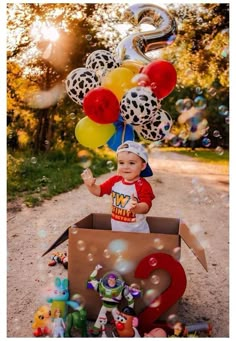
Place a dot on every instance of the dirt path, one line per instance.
(184, 188)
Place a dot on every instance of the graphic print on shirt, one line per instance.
(120, 210)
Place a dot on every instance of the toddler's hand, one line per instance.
(132, 203)
(87, 177)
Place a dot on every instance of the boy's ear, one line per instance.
(144, 165)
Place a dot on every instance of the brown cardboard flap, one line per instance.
(63, 237)
(193, 244)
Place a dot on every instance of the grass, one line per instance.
(36, 178)
(216, 156)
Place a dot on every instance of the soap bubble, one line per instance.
(141, 79)
(123, 265)
(117, 246)
(212, 92)
(88, 37)
(200, 102)
(84, 158)
(223, 110)
(225, 52)
(42, 233)
(198, 91)
(176, 252)
(72, 116)
(172, 319)
(155, 279)
(74, 229)
(110, 165)
(219, 150)
(90, 257)
(33, 160)
(81, 245)
(216, 133)
(156, 303)
(152, 261)
(79, 299)
(106, 253)
(158, 244)
(206, 142)
(149, 296)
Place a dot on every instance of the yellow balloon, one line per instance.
(119, 81)
(134, 66)
(91, 134)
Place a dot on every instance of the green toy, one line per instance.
(78, 320)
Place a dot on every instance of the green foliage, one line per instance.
(40, 177)
(216, 156)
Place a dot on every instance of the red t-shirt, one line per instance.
(121, 192)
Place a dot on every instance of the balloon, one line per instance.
(134, 66)
(162, 76)
(124, 132)
(119, 81)
(138, 105)
(91, 134)
(101, 105)
(79, 82)
(101, 61)
(136, 45)
(157, 128)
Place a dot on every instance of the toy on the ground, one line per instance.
(58, 324)
(198, 328)
(59, 297)
(179, 329)
(103, 322)
(42, 321)
(78, 320)
(111, 289)
(126, 323)
(59, 257)
(156, 332)
(191, 330)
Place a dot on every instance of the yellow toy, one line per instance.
(42, 321)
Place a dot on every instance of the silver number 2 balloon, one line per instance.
(136, 45)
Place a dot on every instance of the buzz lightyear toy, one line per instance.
(111, 289)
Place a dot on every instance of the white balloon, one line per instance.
(157, 128)
(79, 82)
(138, 105)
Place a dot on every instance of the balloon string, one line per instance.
(123, 133)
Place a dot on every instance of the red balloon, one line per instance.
(162, 76)
(101, 105)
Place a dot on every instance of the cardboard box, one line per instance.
(92, 242)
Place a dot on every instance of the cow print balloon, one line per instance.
(157, 128)
(101, 61)
(79, 82)
(138, 105)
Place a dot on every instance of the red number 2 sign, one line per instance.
(148, 317)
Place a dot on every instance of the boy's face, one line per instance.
(129, 166)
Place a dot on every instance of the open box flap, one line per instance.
(193, 244)
(63, 237)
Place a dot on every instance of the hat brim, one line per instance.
(146, 172)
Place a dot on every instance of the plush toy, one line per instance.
(59, 296)
(42, 321)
